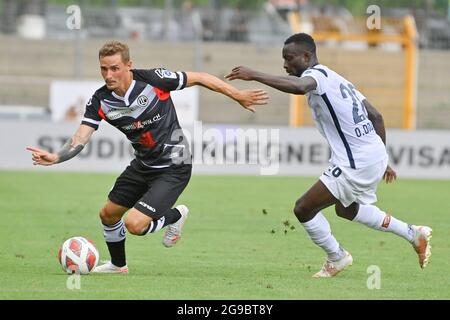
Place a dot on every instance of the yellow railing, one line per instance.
(405, 35)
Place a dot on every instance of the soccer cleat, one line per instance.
(173, 231)
(332, 268)
(421, 243)
(108, 267)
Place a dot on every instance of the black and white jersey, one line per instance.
(146, 115)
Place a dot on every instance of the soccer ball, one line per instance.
(78, 255)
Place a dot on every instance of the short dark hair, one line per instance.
(303, 39)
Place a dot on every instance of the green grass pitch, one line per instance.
(241, 241)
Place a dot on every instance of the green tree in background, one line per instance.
(356, 7)
(160, 3)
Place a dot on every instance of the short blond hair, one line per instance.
(111, 48)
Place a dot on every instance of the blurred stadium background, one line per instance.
(49, 69)
(38, 48)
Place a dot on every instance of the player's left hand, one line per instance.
(389, 175)
(249, 98)
(242, 73)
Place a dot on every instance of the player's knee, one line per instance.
(135, 227)
(339, 212)
(106, 217)
(346, 213)
(301, 210)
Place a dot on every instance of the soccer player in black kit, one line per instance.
(138, 103)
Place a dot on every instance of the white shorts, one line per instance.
(354, 185)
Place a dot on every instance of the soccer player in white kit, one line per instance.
(356, 135)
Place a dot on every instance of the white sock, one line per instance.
(156, 225)
(376, 219)
(170, 216)
(319, 231)
(114, 232)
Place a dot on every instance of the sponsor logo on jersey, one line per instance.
(141, 124)
(114, 113)
(137, 125)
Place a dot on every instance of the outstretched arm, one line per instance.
(378, 124)
(289, 84)
(246, 98)
(70, 149)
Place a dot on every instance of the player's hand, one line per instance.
(389, 175)
(249, 98)
(242, 73)
(42, 157)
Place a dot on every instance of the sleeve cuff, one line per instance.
(182, 80)
(91, 123)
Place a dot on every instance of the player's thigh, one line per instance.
(164, 191)
(128, 188)
(315, 199)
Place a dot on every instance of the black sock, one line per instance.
(169, 217)
(117, 252)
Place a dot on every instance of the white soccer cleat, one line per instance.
(108, 267)
(173, 231)
(421, 243)
(332, 268)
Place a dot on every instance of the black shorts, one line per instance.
(152, 192)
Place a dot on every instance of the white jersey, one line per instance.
(341, 118)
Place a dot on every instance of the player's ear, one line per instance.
(129, 64)
(307, 56)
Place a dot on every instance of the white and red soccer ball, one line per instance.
(78, 255)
